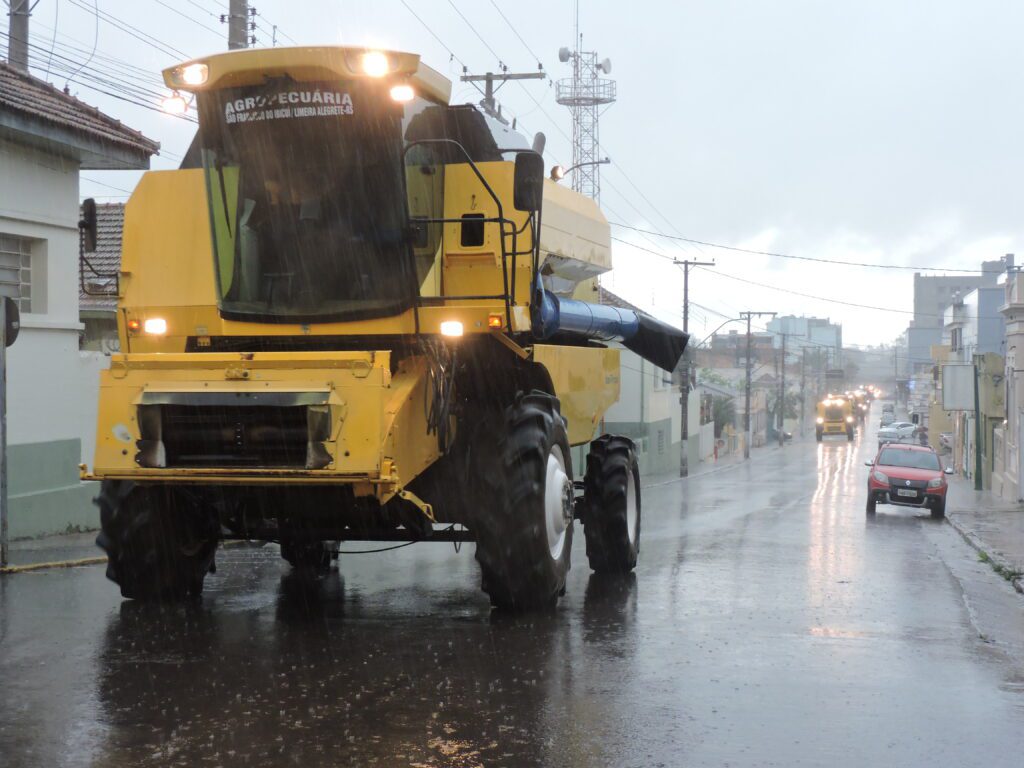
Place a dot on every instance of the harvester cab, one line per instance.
(835, 416)
(355, 314)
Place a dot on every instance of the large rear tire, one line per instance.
(524, 519)
(611, 520)
(159, 544)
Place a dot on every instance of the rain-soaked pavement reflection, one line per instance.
(769, 622)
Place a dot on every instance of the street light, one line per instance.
(558, 172)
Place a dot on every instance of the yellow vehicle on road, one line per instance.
(835, 417)
(354, 315)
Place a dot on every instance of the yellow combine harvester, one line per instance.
(353, 316)
(835, 417)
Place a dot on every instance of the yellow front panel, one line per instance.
(359, 385)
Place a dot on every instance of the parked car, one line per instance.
(896, 431)
(907, 476)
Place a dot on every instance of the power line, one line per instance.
(480, 37)
(183, 15)
(791, 256)
(433, 34)
(516, 33)
(138, 34)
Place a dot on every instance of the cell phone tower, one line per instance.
(585, 94)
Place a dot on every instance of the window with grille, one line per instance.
(16, 270)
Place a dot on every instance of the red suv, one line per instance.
(907, 475)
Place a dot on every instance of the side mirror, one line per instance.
(88, 225)
(528, 184)
(12, 321)
(869, 463)
(948, 470)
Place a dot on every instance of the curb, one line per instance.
(9, 569)
(996, 561)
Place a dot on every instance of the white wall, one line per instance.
(52, 387)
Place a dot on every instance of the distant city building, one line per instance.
(972, 325)
(932, 295)
(811, 333)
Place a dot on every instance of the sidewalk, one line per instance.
(992, 526)
(52, 549)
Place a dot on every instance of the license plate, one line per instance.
(906, 492)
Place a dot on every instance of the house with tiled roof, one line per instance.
(46, 138)
(97, 286)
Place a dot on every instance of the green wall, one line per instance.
(45, 493)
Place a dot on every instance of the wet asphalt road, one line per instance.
(769, 623)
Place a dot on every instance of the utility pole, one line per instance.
(3, 432)
(746, 411)
(684, 394)
(240, 24)
(977, 429)
(803, 389)
(782, 394)
(490, 106)
(17, 33)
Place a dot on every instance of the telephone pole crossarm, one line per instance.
(490, 106)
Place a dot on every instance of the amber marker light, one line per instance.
(134, 326)
(494, 321)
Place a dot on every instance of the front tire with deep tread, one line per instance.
(611, 521)
(527, 469)
(159, 545)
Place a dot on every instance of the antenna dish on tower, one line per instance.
(606, 66)
(563, 54)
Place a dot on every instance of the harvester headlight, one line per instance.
(451, 328)
(557, 173)
(849, 419)
(402, 93)
(194, 74)
(820, 420)
(375, 64)
(156, 326)
(175, 104)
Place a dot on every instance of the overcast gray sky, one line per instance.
(877, 132)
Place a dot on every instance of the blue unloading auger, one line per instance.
(655, 341)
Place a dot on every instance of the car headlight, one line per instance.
(849, 419)
(880, 477)
(936, 482)
(820, 420)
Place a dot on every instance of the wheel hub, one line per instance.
(558, 499)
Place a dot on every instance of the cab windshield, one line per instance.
(307, 201)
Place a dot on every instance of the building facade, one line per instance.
(46, 138)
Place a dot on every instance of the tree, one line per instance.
(791, 411)
(723, 411)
